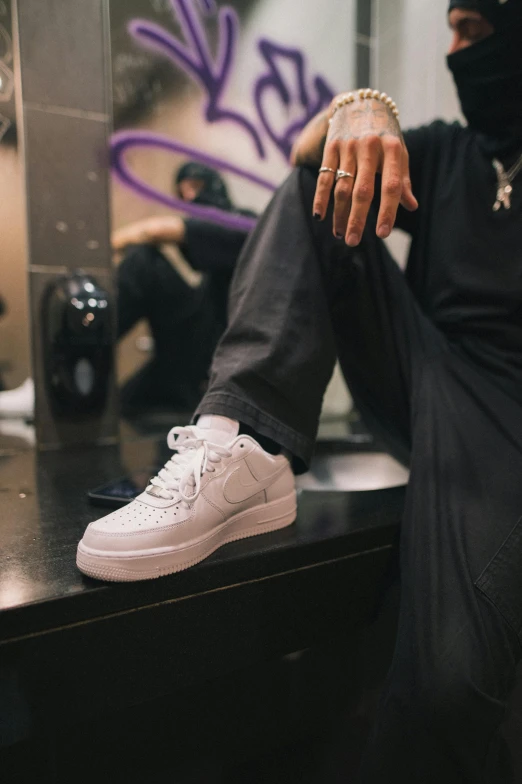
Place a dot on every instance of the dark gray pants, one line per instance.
(299, 298)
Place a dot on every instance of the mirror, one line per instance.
(223, 87)
(208, 98)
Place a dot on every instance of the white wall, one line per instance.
(411, 39)
(324, 31)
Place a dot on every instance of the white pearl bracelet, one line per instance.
(364, 94)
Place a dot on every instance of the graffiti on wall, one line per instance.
(301, 96)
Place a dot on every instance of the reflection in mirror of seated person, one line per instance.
(433, 358)
(186, 321)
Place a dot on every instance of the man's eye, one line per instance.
(472, 31)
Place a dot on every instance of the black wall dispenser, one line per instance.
(77, 345)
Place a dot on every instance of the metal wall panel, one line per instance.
(67, 189)
(63, 53)
(65, 86)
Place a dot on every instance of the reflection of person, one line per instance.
(186, 321)
(434, 361)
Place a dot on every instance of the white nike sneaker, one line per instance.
(208, 494)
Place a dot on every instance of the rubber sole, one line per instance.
(113, 567)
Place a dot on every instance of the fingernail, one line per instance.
(339, 236)
(383, 231)
(352, 240)
(317, 216)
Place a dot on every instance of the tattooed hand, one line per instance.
(364, 139)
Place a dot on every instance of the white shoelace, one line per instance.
(194, 457)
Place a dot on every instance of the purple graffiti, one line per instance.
(193, 55)
(208, 7)
(196, 59)
(125, 140)
(273, 83)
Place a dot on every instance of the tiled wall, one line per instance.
(66, 119)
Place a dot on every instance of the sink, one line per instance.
(355, 471)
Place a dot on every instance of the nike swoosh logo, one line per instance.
(239, 486)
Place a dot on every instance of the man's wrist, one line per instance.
(310, 146)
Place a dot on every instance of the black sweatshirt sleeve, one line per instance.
(424, 145)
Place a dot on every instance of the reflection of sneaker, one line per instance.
(217, 488)
(18, 403)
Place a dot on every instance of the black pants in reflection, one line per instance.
(183, 322)
(299, 298)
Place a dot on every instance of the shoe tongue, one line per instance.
(221, 430)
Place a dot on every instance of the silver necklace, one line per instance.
(504, 180)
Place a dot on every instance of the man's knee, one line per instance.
(306, 182)
(138, 257)
(300, 186)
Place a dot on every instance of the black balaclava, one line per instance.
(214, 192)
(488, 76)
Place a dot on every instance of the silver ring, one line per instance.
(326, 169)
(340, 174)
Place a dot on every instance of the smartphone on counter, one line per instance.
(123, 490)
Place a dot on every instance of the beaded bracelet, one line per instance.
(363, 94)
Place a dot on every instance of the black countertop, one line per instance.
(78, 647)
(45, 511)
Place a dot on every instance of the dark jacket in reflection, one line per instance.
(186, 322)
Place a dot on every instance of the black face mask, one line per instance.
(488, 76)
